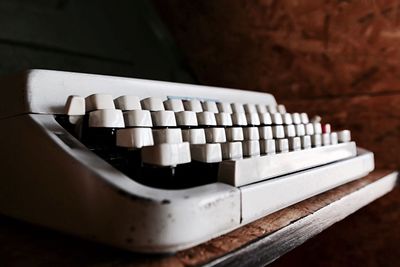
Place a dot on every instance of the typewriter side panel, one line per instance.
(15, 97)
(45, 91)
(56, 189)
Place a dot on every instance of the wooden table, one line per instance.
(255, 244)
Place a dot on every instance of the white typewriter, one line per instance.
(154, 166)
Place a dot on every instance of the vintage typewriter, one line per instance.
(155, 166)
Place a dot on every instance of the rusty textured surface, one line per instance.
(340, 59)
(294, 49)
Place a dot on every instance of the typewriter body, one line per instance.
(171, 188)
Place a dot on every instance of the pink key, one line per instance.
(326, 128)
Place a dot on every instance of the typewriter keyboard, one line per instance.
(185, 142)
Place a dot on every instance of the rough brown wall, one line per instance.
(338, 59)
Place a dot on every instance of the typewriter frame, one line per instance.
(69, 188)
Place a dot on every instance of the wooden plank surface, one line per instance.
(27, 245)
(368, 238)
(267, 249)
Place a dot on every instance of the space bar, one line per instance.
(250, 170)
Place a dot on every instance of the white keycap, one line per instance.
(304, 118)
(281, 109)
(276, 118)
(265, 118)
(326, 139)
(287, 118)
(300, 129)
(137, 118)
(252, 118)
(169, 135)
(344, 136)
(75, 105)
(75, 119)
(174, 105)
(224, 107)
(193, 105)
(261, 108)
(290, 130)
(163, 118)
(250, 108)
(265, 132)
(272, 109)
(278, 131)
(309, 129)
(215, 135)
(152, 104)
(134, 137)
(239, 119)
(317, 128)
(326, 128)
(234, 134)
(316, 140)
(294, 143)
(334, 138)
(209, 153)
(237, 108)
(210, 106)
(251, 148)
(232, 150)
(206, 118)
(223, 119)
(267, 147)
(305, 142)
(166, 154)
(127, 102)
(316, 118)
(194, 136)
(106, 118)
(99, 101)
(296, 118)
(186, 118)
(282, 145)
(251, 133)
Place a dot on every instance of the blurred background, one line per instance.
(336, 59)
